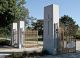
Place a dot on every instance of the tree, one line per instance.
(69, 25)
(38, 26)
(6, 12)
(6, 15)
(10, 11)
(78, 33)
(21, 13)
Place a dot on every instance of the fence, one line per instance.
(31, 38)
(67, 43)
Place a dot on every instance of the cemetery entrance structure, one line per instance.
(54, 39)
(23, 38)
(14, 40)
(18, 34)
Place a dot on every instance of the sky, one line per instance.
(66, 7)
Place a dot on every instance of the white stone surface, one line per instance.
(78, 45)
(22, 25)
(14, 34)
(15, 26)
(21, 29)
(51, 25)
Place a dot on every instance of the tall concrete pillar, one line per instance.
(21, 35)
(14, 35)
(51, 25)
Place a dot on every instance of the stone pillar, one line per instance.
(51, 25)
(14, 35)
(21, 35)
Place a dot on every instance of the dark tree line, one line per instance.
(69, 25)
(65, 21)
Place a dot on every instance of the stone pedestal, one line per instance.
(51, 25)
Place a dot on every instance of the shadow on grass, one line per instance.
(26, 54)
(43, 53)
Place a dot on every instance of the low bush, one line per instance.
(77, 36)
(40, 39)
(4, 42)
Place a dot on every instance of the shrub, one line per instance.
(4, 42)
(77, 36)
(45, 52)
(40, 39)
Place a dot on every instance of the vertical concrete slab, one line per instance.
(21, 35)
(51, 25)
(14, 35)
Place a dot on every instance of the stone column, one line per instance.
(14, 35)
(51, 25)
(21, 35)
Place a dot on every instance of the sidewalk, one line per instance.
(9, 50)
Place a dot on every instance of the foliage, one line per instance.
(4, 42)
(66, 22)
(78, 31)
(77, 36)
(69, 25)
(40, 39)
(6, 12)
(21, 13)
(38, 26)
(11, 11)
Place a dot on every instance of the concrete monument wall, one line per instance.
(21, 35)
(14, 35)
(51, 25)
